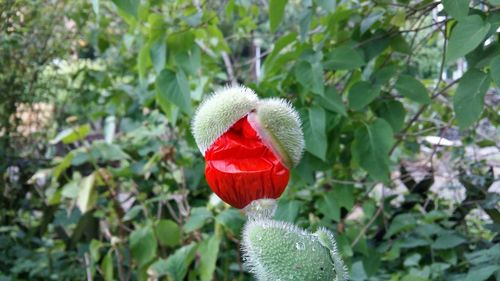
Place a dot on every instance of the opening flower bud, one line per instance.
(240, 168)
(249, 145)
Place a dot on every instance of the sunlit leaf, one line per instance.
(72, 135)
(87, 196)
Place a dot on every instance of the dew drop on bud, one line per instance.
(300, 246)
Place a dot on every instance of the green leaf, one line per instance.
(399, 19)
(369, 20)
(400, 223)
(448, 241)
(458, 9)
(315, 132)
(107, 266)
(63, 165)
(495, 71)
(107, 152)
(143, 61)
(412, 241)
(344, 195)
(232, 220)
(482, 273)
(168, 233)
(468, 101)
(379, 41)
(72, 135)
(189, 60)
(133, 212)
(371, 148)
(304, 23)
(109, 129)
(384, 75)
(281, 43)
(287, 210)
(176, 265)
(198, 217)
(95, 6)
(94, 247)
(427, 230)
(173, 87)
(466, 36)
(412, 89)
(328, 206)
(158, 53)
(143, 245)
(333, 101)
(398, 43)
(209, 250)
(71, 189)
(87, 196)
(157, 27)
(276, 12)
(344, 58)
(130, 7)
(361, 94)
(310, 76)
(371, 262)
(484, 255)
(327, 5)
(393, 112)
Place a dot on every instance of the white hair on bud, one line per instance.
(281, 126)
(250, 251)
(340, 267)
(217, 113)
(276, 250)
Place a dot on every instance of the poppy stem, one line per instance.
(261, 209)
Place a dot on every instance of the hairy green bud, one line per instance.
(219, 112)
(279, 126)
(277, 250)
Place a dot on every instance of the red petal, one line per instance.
(240, 168)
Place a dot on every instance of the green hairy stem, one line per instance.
(276, 250)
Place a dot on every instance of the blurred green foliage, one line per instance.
(112, 188)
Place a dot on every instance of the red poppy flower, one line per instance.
(240, 168)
